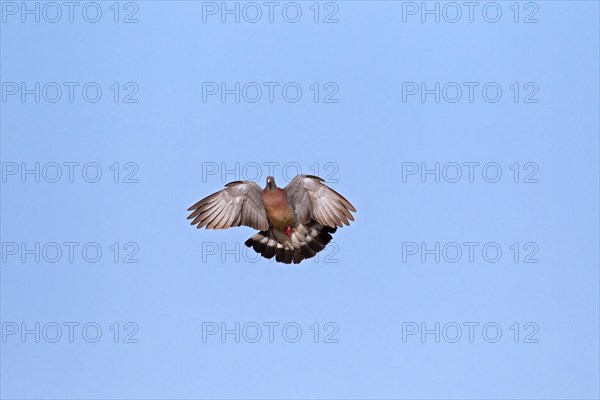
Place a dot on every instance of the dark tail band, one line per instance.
(305, 242)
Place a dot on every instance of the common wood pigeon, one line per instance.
(295, 222)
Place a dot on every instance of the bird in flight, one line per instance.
(295, 222)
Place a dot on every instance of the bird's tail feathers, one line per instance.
(304, 242)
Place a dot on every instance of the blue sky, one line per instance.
(509, 261)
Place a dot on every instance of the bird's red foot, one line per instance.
(288, 231)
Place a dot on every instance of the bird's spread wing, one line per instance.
(240, 203)
(313, 200)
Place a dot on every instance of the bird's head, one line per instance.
(270, 183)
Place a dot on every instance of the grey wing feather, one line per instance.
(240, 203)
(313, 200)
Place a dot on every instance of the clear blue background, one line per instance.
(368, 134)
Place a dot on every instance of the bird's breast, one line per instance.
(279, 213)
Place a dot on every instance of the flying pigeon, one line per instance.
(295, 222)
